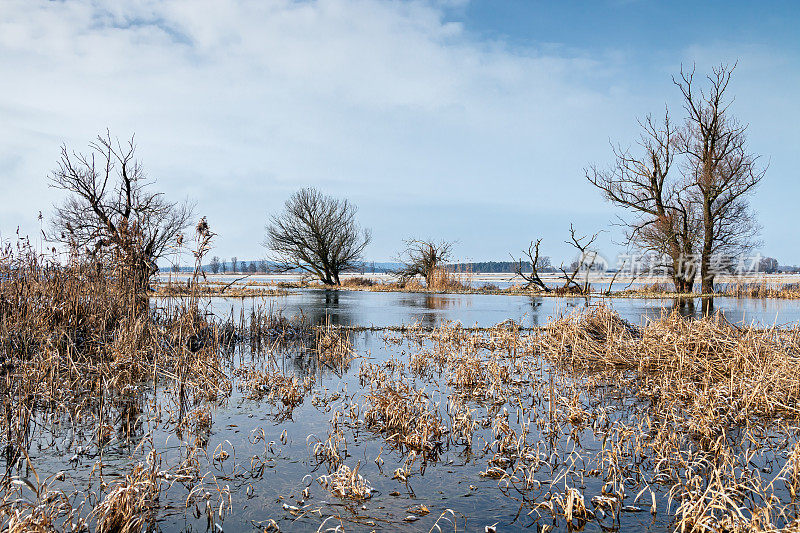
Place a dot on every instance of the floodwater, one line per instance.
(261, 453)
(270, 462)
(390, 309)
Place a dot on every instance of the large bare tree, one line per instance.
(423, 257)
(647, 184)
(687, 187)
(720, 171)
(318, 234)
(111, 207)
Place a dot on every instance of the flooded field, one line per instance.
(399, 265)
(389, 309)
(361, 411)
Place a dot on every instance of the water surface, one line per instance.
(384, 309)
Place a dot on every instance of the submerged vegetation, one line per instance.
(110, 416)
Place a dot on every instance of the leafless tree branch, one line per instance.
(111, 206)
(317, 234)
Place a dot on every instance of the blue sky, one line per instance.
(451, 119)
(635, 26)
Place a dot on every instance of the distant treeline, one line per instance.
(500, 267)
(374, 267)
(261, 266)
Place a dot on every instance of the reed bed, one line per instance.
(274, 386)
(756, 370)
(82, 352)
(333, 346)
(402, 413)
(704, 380)
(214, 288)
(589, 420)
(761, 289)
(358, 282)
(710, 398)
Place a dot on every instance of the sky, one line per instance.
(462, 120)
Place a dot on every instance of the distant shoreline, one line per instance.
(780, 286)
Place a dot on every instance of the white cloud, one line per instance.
(236, 104)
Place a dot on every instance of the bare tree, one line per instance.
(720, 171)
(688, 187)
(768, 265)
(234, 264)
(214, 264)
(665, 220)
(111, 207)
(586, 260)
(587, 256)
(423, 257)
(317, 234)
(537, 263)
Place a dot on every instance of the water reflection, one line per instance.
(536, 303)
(426, 308)
(684, 306)
(325, 308)
(708, 306)
(357, 308)
(331, 308)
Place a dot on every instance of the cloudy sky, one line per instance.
(468, 120)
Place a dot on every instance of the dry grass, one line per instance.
(333, 450)
(81, 340)
(273, 385)
(214, 288)
(346, 483)
(358, 282)
(333, 346)
(69, 332)
(762, 289)
(704, 380)
(443, 280)
(132, 503)
(655, 289)
(39, 507)
(402, 413)
(756, 369)
(697, 400)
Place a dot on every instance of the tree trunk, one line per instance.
(706, 274)
(688, 285)
(681, 285)
(678, 281)
(682, 274)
